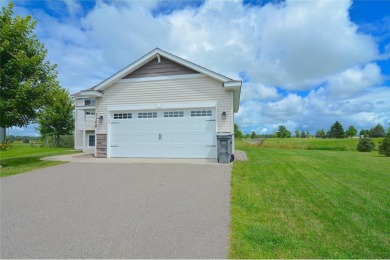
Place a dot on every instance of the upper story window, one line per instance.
(90, 113)
(89, 102)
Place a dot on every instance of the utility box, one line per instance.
(224, 148)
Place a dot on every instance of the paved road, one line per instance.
(86, 210)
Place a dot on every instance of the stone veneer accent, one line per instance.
(101, 145)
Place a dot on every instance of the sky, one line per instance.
(304, 64)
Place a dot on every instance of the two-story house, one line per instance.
(160, 106)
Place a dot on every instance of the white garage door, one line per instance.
(186, 133)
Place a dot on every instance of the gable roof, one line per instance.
(227, 83)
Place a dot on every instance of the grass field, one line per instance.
(347, 144)
(25, 157)
(297, 203)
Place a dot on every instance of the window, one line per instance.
(201, 113)
(91, 140)
(89, 102)
(147, 115)
(123, 116)
(90, 113)
(174, 114)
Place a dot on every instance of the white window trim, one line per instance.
(88, 135)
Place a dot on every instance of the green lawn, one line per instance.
(295, 203)
(347, 144)
(25, 157)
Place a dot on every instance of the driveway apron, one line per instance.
(88, 210)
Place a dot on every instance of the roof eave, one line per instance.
(91, 93)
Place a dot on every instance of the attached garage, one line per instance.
(170, 133)
(161, 106)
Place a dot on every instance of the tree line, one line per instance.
(335, 131)
(366, 144)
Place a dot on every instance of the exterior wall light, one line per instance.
(223, 115)
(100, 118)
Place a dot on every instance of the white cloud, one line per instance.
(287, 108)
(354, 80)
(73, 6)
(294, 46)
(258, 92)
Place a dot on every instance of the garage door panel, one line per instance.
(164, 137)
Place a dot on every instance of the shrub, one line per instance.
(365, 145)
(26, 140)
(5, 146)
(384, 147)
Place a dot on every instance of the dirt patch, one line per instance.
(240, 156)
(86, 155)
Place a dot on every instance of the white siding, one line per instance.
(89, 123)
(78, 139)
(168, 91)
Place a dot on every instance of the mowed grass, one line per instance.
(291, 203)
(346, 144)
(25, 157)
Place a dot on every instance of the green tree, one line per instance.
(303, 134)
(237, 132)
(365, 133)
(365, 145)
(57, 117)
(351, 132)
(283, 132)
(253, 134)
(308, 135)
(297, 134)
(377, 131)
(336, 131)
(26, 79)
(321, 133)
(384, 146)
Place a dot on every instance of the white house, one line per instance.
(160, 106)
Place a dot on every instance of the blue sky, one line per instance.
(304, 64)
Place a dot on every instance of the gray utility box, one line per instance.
(224, 148)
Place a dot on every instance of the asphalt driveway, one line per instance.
(87, 210)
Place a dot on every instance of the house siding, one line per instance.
(168, 91)
(164, 68)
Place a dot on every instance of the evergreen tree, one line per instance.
(336, 131)
(303, 134)
(384, 146)
(365, 145)
(377, 131)
(308, 135)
